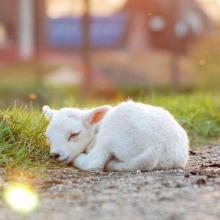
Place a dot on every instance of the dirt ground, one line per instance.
(193, 193)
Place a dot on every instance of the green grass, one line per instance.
(22, 142)
(199, 114)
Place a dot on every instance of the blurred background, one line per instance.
(54, 51)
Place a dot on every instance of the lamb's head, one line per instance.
(71, 130)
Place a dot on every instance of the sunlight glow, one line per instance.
(212, 7)
(21, 198)
(57, 8)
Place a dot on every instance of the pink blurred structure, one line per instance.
(150, 24)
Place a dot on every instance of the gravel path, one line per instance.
(190, 194)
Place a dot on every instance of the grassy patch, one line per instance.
(22, 142)
(199, 114)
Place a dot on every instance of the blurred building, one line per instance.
(140, 25)
(164, 20)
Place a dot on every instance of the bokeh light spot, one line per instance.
(21, 198)
(202, 62)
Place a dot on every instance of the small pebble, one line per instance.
(201, 181)
(187, 175)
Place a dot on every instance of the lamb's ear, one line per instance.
(97, 114)
(48, 112)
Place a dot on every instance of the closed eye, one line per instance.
(73, 135)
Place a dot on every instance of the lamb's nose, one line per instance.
(54, 156)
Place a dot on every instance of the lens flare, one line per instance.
(21, 198)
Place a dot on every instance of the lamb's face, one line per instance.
(71, 130)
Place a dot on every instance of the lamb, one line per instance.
(127, 137)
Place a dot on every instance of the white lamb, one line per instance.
(129, 136)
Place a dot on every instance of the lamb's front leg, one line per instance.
(94, 161)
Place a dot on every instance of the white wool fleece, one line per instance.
(129, 136)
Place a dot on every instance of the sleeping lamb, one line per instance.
(130, 136)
